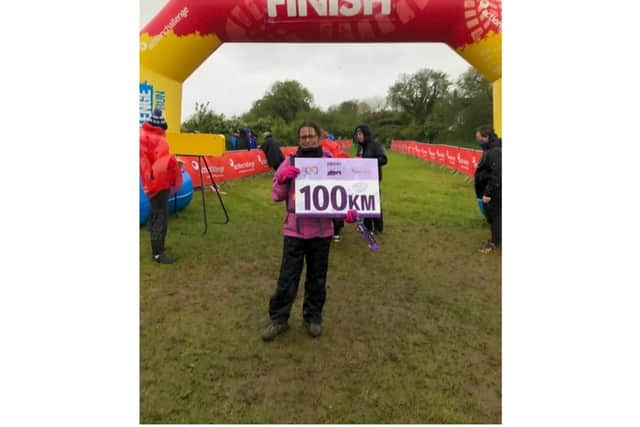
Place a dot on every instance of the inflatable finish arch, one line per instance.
(185, 32)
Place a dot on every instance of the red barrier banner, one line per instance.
(245, 163)
(441, 157)
(431, 152)
(192, 166)
(463, 160)
(231, 165)
(415, 148)
(423, 151)
(451, 156)
(475, 159)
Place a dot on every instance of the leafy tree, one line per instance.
(441, 118)
(476, 95)
(347, 107)
(205, 120)
(284, 99)
(472, 85)
(372, 104)
(424, 106)
(284, 133)
(417, 94)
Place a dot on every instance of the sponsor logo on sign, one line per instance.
(195, 165)
(183, 13)
(310, 170)
(238, 166)
(334, 168)
(245, 165)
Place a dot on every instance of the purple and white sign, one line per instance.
(329, 187)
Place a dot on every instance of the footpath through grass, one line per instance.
(411, 334)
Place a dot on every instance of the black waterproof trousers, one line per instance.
(338, 225)
(159, 221)
(294, 252)
(375, 224)
(493, 211)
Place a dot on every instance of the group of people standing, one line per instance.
(305, 239)
(310, 238)
(244, 139)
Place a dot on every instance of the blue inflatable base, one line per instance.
(177, 202)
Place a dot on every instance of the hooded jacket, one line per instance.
(488, 176)
(273, 152)
(158, 168)
(370, 149)
(295, 226)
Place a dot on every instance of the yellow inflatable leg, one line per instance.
(497, 106)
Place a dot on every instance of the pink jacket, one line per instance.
(294, 226)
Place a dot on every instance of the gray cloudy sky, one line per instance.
(237, 74)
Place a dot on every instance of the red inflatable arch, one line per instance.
(185, 32)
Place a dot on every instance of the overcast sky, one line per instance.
(237, 74)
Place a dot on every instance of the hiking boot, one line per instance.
(274, 330)
(163, 259)
(337, 238)
(489, 248)
(314, 329)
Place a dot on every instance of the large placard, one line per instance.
(329, 187)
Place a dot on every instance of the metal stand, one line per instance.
(202, 190)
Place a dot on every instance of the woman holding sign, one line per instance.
(306, 237)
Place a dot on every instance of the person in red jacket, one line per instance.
(159, 172)
(304, 238)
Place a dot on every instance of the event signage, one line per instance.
(329, 187)
(324, 8)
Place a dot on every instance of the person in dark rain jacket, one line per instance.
(272, 151)
(369, 148)
(488, 183)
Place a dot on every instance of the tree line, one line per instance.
(425, 106)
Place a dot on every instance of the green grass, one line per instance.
(411, 334)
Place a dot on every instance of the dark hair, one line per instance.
(308, 125)
(487, 131)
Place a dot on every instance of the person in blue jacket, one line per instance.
(234, 139)
(253, 142)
